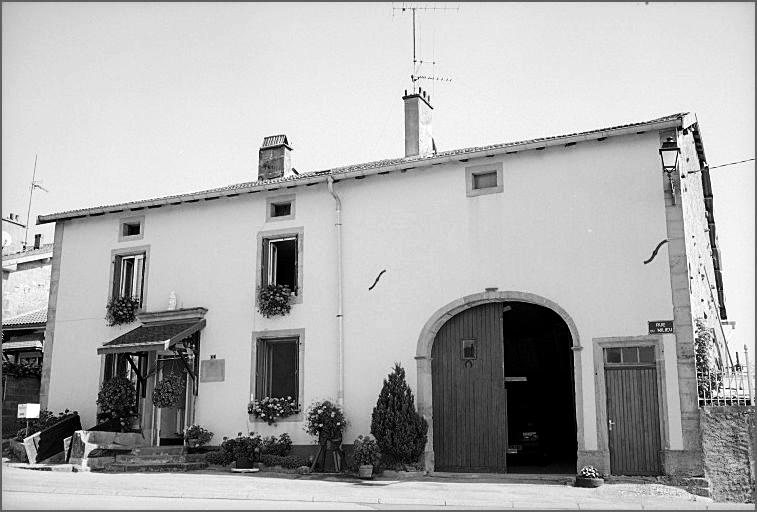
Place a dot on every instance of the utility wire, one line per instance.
(721, 165)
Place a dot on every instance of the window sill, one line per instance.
(289, 419)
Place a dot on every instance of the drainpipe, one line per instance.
(339, 316)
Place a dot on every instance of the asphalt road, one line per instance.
(221, 489)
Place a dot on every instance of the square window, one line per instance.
(277, 372)
(281, 209)
(646, 354)
(630, 354)
(612, 355)
(131, 228)
(485, 180)
(469, 349)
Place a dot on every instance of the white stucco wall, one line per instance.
(573, 225)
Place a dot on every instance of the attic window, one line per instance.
(484, 179)
(280, 208)
(131, 229)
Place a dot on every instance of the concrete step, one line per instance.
(159, 450)
(134, 459)
(120, 467)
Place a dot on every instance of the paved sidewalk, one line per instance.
(423, 491)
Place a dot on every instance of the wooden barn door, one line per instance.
(632, 412)
(469, 401)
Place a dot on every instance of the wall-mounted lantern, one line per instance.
(669, 156)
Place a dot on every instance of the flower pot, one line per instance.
(589, 482)
(365, 471)
(193, 443)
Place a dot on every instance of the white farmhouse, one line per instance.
(541, 295)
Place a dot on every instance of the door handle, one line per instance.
(611, 423)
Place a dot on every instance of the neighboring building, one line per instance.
(26, 288)
(514, 282)
(13, 234)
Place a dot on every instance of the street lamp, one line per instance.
(669, 156)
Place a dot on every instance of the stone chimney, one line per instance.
(418, 139)
(274, 158)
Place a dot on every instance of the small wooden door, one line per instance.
(633, 415)
(469, 401)
(171, 420)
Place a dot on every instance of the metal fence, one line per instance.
(729, 385)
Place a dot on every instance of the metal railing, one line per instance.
(727, 385)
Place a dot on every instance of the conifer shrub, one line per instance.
(398, 428)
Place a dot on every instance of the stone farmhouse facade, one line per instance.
(530, 289)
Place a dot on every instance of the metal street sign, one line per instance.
(661, 327)
(28, 411)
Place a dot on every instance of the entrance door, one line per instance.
(469, 400)
(171, 420)
(633, 415)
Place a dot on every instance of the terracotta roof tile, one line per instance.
(34, 317)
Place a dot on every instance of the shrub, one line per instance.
(46, 420)
(280, 446)
(219, 457)
(366, 451)
(121, 310)
(707, 380)
(589, 472)
(290, 461)
(201, 434)
(274, 299)
(21, 369)
(269, 408)
(325, 418)
(169, 391)
(398, 428)
(243, 447)
(117, 400)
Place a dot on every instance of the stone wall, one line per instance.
(27, 288)
(728, 441)
(17, 390)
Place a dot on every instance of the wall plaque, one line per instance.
(661, 327)
(212, 370)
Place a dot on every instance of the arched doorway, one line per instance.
(498, 388)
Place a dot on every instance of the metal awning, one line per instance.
(162, 336)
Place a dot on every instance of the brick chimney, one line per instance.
(274, 158)
(418, 139)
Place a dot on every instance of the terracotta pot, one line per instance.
(588, 482)
(365, 471)
(193, 443)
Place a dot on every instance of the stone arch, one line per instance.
(446, 312)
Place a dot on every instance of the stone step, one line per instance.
(145, 467)
(134, 459)
(697, 481)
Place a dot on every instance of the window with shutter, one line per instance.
(277, 368)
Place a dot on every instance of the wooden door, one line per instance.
(633, 419)
(171, 420)
(469, 401)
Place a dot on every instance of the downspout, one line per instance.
(339, 316)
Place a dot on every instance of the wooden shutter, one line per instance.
(261, 368)
(296, 264)
(116, 284)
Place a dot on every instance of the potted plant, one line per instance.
(325, 420)
(117, 400)
(270, 408)
(169, 391)
(121, 310)
(195, 436)
(589, 477)
(243, 450)
(366, 454)
(274, 299)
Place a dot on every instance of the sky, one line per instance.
(128, 101)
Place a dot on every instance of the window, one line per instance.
(277, 370)
(484, 179)
(469, 349)
(279, 260)
(128, 273)
(280, 207)
(629, 355)
(131, 229)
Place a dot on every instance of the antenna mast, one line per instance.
(417, 63)
(35, 184)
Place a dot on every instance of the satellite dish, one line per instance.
(6, 239)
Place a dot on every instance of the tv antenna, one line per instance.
(415, 76)
(35, 184)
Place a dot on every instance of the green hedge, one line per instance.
(289, 461)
